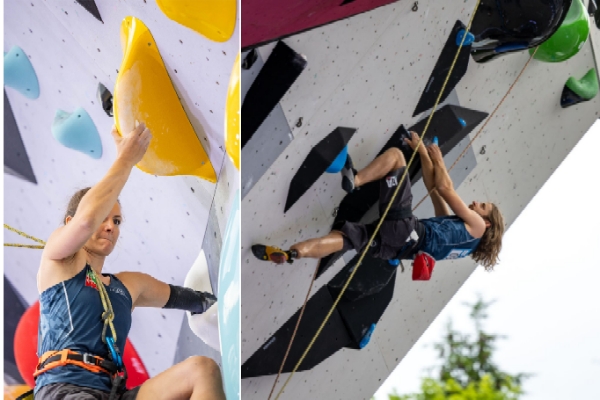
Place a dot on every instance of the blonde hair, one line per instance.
(490, 245)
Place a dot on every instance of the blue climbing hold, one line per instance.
(468, 40)
(436, 141)
(339, 161)
(462, 122)
(77, 131)
(19, 73)
(367, 338)
(394, 262)
(503, 48)
(229, 302)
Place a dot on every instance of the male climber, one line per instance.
(474, 230)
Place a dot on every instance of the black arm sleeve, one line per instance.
(187, 299)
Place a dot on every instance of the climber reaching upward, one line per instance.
(475, 230)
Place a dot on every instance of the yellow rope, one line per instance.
(108, 315)
(18, 232)
(29, 246)
(382, 218)
(484, 125)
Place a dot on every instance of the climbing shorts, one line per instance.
(396, 228)
(67, 391)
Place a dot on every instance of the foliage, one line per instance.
(468, 371)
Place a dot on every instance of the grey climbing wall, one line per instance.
(368, 72)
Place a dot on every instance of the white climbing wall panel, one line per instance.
(368, 72)
(165, 217)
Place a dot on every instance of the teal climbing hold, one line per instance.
(77, 131)
(339, 161)
(19, 73)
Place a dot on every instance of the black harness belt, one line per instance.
(394, 215)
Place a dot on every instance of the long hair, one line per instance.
(490, 244)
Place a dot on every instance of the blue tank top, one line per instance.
(71, 318)
(447, 238)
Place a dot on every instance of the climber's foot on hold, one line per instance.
(348, 174)
(274, 254)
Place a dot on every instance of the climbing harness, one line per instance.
(52, 359)
(56, 358)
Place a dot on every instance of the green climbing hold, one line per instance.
(569, 38)
(580, 90)
(586, 87)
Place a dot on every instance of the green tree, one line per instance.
(468, 371)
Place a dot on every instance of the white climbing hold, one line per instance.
(205, 325)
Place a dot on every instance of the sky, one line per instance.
(546, 291)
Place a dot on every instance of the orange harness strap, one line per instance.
(65, 360)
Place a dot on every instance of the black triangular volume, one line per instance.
(316, 162)
(366, 297)
(267, 359)
(592, 7)
(446, 125)
(90, 5)
(440, 71)
(279, 73)
(14, 308)
(16, 160)
(569, 98)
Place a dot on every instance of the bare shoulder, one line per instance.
(476, 225)
(145, 290)
(52, 272)
(134, 282)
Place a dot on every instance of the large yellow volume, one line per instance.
(214, 19)
(232, 115)
(144, 93)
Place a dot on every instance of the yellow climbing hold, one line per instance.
(211, 18)
(144, 93)
(232, 115)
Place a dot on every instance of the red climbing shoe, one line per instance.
(270, 253)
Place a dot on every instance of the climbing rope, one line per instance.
(29, 246)
(287, 352)
(484, 125)
(108, 315)
(381, 219)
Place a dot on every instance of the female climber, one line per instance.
(474, 230)
(79, 350)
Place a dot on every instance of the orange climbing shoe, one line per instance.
(270, 253)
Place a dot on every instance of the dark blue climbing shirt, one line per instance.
(447, 238)
(71, 318)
